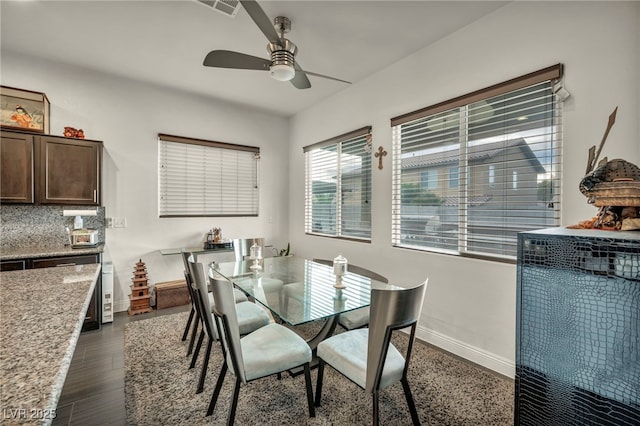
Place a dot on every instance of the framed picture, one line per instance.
(24, 110)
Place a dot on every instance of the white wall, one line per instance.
(127, 116)
(470, 308)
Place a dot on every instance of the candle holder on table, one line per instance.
(339, 270)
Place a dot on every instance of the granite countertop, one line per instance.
(35, 251)
(41, 315)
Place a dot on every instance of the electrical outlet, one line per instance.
(119, 222)
(108, 222)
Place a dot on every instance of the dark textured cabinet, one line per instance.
(16, 168)
(45, 169)
(69, 171)
(578, 328)
(92, 319)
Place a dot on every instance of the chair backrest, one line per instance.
(242, 246)
(356, 270)
(391, 309)
(199, 278)
(227, 318)
(187, 277)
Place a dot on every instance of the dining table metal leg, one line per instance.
(326, 331)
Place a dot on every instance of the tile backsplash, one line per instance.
(26, 225)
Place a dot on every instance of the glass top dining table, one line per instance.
(298, 290)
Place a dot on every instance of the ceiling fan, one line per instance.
(282, 66)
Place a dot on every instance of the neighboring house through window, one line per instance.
(338, 186)
(499, 149)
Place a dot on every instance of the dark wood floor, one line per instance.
(93, 392)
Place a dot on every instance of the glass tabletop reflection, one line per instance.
(296, 289)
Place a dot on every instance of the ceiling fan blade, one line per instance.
(300, 80)
(323, 76)
(229, 59)
(261, 19)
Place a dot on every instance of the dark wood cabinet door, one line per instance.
(13, 265)
(16, 168)
(69, 171)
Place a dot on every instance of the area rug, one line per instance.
(161, 389)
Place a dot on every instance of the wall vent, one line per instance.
(227, 7)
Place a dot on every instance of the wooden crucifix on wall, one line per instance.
(381, 153)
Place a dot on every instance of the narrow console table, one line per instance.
(578, 328)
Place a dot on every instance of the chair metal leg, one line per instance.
(188, 326)
(319, 381)
(307, 379)
(234, 403)
(410, 402)
(194, 358)
(205, 364)
(216, 391)
(376, 408)
(194, 333)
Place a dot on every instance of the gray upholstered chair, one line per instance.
(194, 314)
(250, 316)
(366, 356)
(269, 350)
(242, 248)
(357, 318)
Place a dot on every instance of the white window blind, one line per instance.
(495, 157)
(338, 186)
(206, 178)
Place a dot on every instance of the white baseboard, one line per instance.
(478, 356)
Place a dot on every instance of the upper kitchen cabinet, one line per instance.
(45, 169)
(69, 171)
(16, 168)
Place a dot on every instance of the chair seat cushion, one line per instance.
(251, 317)
(347, 353)
(272, 349)
(354, 319)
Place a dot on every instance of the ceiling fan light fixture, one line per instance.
(282, 72)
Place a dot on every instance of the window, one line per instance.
(429, 179)
(454, 176)
(338, 186)
(499, 148)
(492, 175)
(206, 178)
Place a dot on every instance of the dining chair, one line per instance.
(195, 306)
(269, 350)
(357, 318)
(242, 247)
(242, 250)
(366, 356)
(250, 316)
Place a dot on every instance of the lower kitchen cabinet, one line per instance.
(92, 319)
(13, 265)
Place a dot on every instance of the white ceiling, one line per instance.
(165, 42)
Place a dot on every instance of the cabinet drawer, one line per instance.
(13, 265)
(66, 261)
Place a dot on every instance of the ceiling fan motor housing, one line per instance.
(282, 59)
